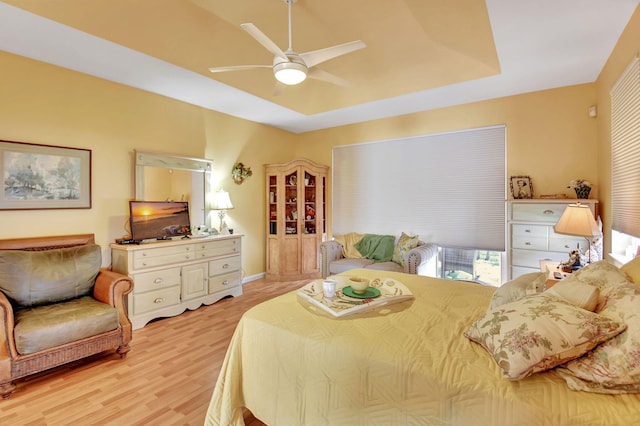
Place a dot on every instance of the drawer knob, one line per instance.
(225, 282)
(158, 281)
(144, 263)
(144, 254)
(187, 257)
(547, 212)
(527, 230)
(225, 266)
(158, 300)
(527, 243)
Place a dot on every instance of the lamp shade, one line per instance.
(221, 201)
(578, 220)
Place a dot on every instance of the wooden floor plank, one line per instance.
(167, 378)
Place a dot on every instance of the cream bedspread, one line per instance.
(406, 364)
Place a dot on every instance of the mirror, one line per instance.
(162, 177)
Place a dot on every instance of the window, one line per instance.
(625, 163)
(448, 188)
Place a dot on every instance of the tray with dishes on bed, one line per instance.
(342, 295)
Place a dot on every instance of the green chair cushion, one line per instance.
(31, 278)
(43, 327)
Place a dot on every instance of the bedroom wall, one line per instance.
(627, 47)
(550, 136)
(45, 104)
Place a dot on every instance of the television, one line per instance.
(159, 220)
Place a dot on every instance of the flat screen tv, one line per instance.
(159, 219)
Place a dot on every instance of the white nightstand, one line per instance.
(552, 267)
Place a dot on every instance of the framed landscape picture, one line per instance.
(44, 177)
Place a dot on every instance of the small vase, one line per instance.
(583, 192)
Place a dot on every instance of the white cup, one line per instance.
(329, 288)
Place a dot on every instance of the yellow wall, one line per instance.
(627, 47)
(550, 136)
(45, 104)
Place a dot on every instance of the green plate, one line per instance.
(369, 293)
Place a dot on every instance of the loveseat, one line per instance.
(409, 255)
(57, 305)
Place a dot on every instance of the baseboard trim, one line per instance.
(253, 278)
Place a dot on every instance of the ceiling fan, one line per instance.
(292, 68)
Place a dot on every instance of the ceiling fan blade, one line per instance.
(321, 55)
(318, 74)
(238, 68)
(264, 40)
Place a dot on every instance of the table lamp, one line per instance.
(578, 220)
(222, 202)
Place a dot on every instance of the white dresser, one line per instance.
(173, 276)
(531, 237)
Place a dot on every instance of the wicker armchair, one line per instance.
(91, 315)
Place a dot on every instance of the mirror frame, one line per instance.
(171, 161)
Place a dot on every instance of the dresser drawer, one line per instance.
(156, 300)
(222, 282)
(565, 243)
(218, 248)
(527, 242)
(224, 265)
(147, 260)
(538, 212)
(531, 231)
(149, 281)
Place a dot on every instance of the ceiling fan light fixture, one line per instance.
(290, 73)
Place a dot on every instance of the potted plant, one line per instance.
(582, 187)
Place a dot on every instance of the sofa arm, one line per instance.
(7, 343)
(329, 251)
(422, 259)
(112, 288)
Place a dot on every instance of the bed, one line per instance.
(407, 363)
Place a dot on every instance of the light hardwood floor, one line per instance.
(166, 379)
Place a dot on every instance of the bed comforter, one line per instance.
(404, 364)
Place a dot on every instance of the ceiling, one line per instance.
(420, 54)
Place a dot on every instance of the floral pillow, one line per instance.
(601, 274)
(539, 332)
(614, 366)
(404, 244)
(632, 268)
(518, 288)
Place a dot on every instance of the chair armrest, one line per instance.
(421, 259)
(7, 343)
(329, 251)
(112, 288)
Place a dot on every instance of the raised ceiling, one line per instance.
(420, 54)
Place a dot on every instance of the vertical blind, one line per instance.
(625, 151)
(448, 188)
